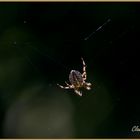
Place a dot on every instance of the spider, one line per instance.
(77, 80)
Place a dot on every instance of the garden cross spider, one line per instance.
(77, 80)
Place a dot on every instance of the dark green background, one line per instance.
(41, 42)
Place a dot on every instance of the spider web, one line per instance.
(44, 63)
(39, 59)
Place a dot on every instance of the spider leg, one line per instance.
(78, 92)
(64, 87)
(68, 85)
(88, 88)
(84, 75)
(88, 84)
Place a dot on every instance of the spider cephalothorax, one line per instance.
(77, 80)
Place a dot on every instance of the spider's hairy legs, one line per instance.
(77, 80)
(87, 85)
(67, 87)
(84, 75)
(78, 92)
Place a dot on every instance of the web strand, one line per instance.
(99, 28)
(39, 52)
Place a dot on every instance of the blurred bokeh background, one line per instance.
(41, 42)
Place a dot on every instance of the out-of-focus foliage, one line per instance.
(41, 42)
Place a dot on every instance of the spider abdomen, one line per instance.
(75, 78)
